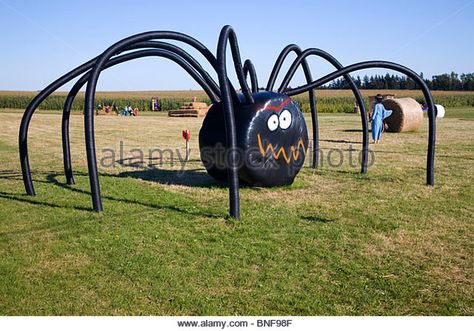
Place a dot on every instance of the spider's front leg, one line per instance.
(314, 116)
(95, 66)
(181, 57)
(311, 93)
(249, 69)
(385, 65)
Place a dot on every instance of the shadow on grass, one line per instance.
(423, 154)
(193, 177)
(341, 141)
(28, 199)
(150, 163)
(317, 219)
(353, 130)
(51, 177)
(11, 175)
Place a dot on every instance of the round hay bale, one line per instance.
(406, 116)
(440, 111)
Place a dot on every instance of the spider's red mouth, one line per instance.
(294, 152)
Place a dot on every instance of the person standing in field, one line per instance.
(378, 115)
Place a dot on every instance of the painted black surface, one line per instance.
(267, 156)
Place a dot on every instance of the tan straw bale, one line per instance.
(406, 116)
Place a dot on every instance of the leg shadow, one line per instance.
(24, 198)
(317, 219)
(341, 141)
(193, 177)
(51, 178)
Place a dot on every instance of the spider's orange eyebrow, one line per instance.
(277, 108)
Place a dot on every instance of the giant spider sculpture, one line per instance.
(253, 137)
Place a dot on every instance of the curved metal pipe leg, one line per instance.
(365, 130)
(185, 55)
(311, 93)
(250, 69)
(26, 119)
(114, 61)
(65, 133)
(90, 96)
(23, 132)
(386, 65)
(230, 127)
(234, 47)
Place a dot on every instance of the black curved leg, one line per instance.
(26, 119)
(387, 65)
(249, 69)
(228, 34)
(23, 132)
(365, 130)
(65, 133)
(89, 104)
(311, 93)
(196, 73)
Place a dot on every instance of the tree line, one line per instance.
(446, 82)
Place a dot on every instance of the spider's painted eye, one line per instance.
(285, 119)
(272, 122)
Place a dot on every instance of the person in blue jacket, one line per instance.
(378, 115)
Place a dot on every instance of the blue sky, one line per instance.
(42, 40)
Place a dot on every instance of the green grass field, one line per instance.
(335, 242)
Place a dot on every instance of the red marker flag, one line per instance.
(186, 134)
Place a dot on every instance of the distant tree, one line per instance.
(411, 85)
(387, 81)
(467, 81)
(451, 81)
(441, 82)
(365, 82)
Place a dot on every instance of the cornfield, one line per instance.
(328, 101)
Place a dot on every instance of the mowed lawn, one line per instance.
(335, 242)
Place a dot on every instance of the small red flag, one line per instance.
(186, 134)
